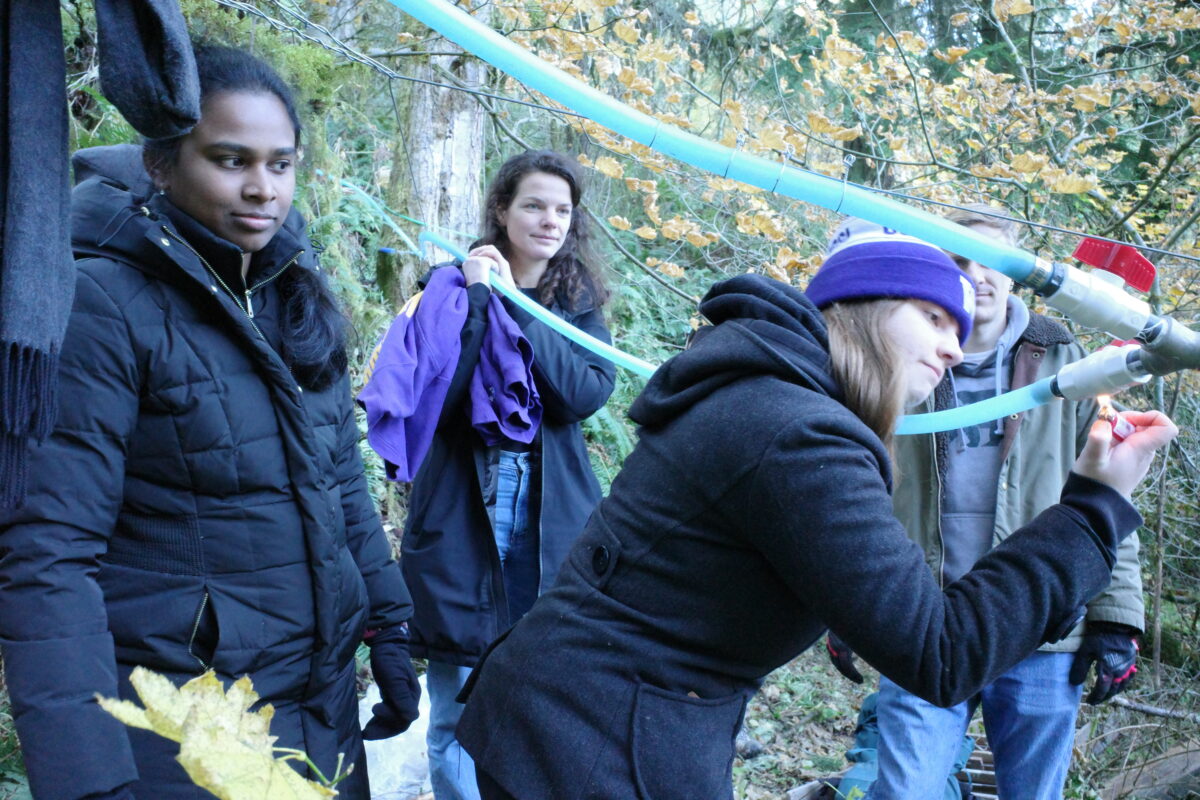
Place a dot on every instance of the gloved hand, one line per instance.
(1114, 649)
(398, 686)
(842, 657)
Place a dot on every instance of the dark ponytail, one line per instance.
(314, 328)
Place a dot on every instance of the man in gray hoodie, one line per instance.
(960, 494)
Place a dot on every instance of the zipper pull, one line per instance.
(249, 305)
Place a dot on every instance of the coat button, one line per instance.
(600, 559)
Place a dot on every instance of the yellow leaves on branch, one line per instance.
(1088, 98)
(1011, 8)
(822, 125)
(669, 268)
(647, 233)
(1029, 163)
(620, 223)
(626, 32)
(951, 55)
(224, 746)
(761, 223)
(1071, 183)
(842, 52)
(607, 165)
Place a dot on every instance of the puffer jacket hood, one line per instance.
(763, 327)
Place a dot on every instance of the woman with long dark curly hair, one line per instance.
(201, 504)
(489, 525)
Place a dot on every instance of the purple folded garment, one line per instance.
(504, 402)
(410, 373)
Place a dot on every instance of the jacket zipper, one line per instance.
(196, 629)
(248, 308)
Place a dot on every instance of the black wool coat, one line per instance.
(449, 554)
(753, 513)
(194, 508)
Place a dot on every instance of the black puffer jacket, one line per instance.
(194, 508)
(753, 512)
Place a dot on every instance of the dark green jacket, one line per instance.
(1038, 449)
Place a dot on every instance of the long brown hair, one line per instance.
(866, 364)
(570, 279)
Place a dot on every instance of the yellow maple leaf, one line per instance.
(620, 223)
(224, 746)
(697, 239)
(626, 32)
(960, 19)
(677, 227)
(646, 232)
(650, 206)
(607, 165)
(847, 134)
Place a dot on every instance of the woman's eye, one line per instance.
(282, 166)
(229, 161)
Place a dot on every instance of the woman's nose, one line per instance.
(259, 185)
(949, 349)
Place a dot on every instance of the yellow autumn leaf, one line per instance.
(697, 239)
(960, 19)
(676, 228)
(769, 226)
(1029, 162)
(670, 269)
(847, 134)
(789, 260)
(820, 124)
(224, 747)
(697, 65)
(620, 223)
(1011, 8)
(607, 165)
(1088, 98)
(650, 206)
(1073, 184)
(691, 18)
(646, 232)
(952, 55)
(842, 52)
(626, 32)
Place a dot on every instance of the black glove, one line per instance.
(1114, 649)
(398, 686)
(842, 657)
(122, 792)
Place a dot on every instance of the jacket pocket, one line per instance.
(683, 746)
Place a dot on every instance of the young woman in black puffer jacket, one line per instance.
(201, 504)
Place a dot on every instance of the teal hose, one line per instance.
(584, 340)
(1035, 394)
(841, 196)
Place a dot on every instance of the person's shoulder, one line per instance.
(1045, 332)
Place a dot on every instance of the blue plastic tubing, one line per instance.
(840, 196)
(1023, 399)
(821, 190)
(584, 340)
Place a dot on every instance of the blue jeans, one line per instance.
(1029, 714)
(451, 770)
(515, 540)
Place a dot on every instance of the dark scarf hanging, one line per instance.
(148, 72)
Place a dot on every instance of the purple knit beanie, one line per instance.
(867, 261)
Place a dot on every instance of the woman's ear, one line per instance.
(157, 174)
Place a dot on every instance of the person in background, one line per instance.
(489, 525)
(961, 493)
(754, 512)
(201, 504)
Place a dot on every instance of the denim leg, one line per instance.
(515, 539)
(1029, 713)
(451, 770)
(918, 743)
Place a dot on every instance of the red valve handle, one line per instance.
(1119, 259)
